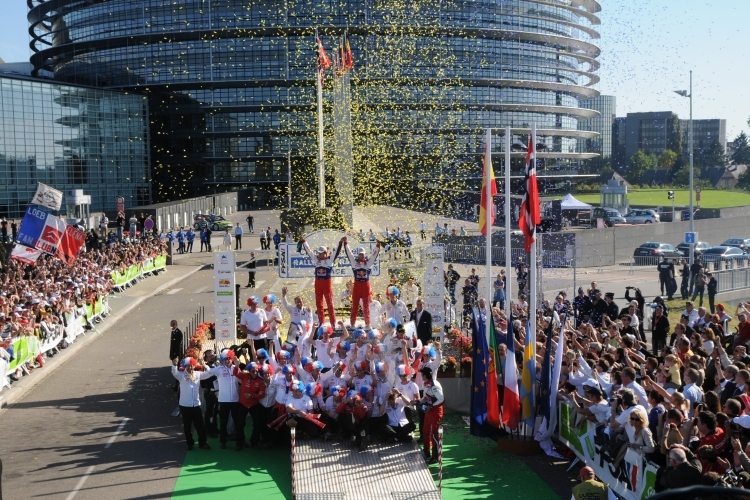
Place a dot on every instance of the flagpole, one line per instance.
(488, 223)
(321, 160)
(532, 271)
(508, 253)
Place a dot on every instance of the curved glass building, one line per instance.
(232, 89)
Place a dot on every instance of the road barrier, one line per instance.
(136, 272)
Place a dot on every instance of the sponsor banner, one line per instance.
(640, 474)
(70, 244)
(120, 204)
(294, 264)
(25, 254)
(225, 307)
(433, 287)
(41, 230)
(47, 196)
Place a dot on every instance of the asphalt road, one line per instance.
(100, 426)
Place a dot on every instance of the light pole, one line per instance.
(684, 93)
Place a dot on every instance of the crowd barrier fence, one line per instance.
(136, 272)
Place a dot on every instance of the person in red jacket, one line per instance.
(253, 389)
(352, 412)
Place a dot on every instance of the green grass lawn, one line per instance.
(658, 198)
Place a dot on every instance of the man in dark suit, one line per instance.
(175, 345)
(423, 320)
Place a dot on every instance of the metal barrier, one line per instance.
(736, 278)
(199, 316)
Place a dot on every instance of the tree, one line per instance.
(640, 163)
(743, 182)
(667, 159)
(682, 177)
(712, 156)
(741, 155)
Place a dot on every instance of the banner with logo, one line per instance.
(25, 254)
(225, 307)
(120, 204)
(634, 479)
(47, 196)
(70, 244)
(41, 230)
(433, 288)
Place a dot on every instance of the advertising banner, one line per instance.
(70, 244)
(433, 287)
(120, 204)
(41, 230)
(47, 196)
(225, 308)
(25, 254)
(294, 264)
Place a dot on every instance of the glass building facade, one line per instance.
(606, 105)
(231, 84)
(71, 137)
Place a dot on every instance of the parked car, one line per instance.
(610, 216)
(653, 251)
(741, 243)
(718, 253)
(698, 248)
(640, 216)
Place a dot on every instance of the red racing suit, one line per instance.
(323, 283)
(361, 290)
(433, 400)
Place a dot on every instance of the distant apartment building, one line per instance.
(602, 124)
(705, 132)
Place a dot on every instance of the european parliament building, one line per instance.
(231, 86)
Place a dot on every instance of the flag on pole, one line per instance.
(324, 62)
(550, 381)
(47, 196)
(529, 215)
(528, 377)
(493, 404)
(487, 206)
(484, 405)
(511, 399)
(348, 57)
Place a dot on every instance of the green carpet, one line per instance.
(217, 473)
(473, 468)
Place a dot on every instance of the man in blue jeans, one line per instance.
(700, 286)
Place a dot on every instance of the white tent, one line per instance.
(570, 203)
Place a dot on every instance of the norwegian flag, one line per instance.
(529, 215)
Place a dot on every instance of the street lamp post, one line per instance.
(684, 93)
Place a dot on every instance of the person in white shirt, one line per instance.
(299, 404)
(395, 308)
(262, 237)
(254, 323)
(227, 241)
(398, 427)
(691, 312)
(432, 405)
(628, 382)
(297, 314)
(330, 415)
(324, 345)
(376, 311)
(275, 320)
(411, 292)
(190, 400)
(229, 392)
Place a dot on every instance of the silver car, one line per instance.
(641, 216)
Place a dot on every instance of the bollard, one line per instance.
(237, 295)
(294, 459)
(440, 458)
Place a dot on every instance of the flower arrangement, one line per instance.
(466, 363)
(201, 335)
(463, 344)
(448, 363)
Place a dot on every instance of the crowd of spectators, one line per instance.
(39, 300)
(682, 401)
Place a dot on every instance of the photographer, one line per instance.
(659, 329)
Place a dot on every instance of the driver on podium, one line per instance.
(323, 259)
(361, 268)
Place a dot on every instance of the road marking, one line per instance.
(199, 290)
(88, 472)
(338, 281)
(117, 432)
(80, 483)
(173, 291)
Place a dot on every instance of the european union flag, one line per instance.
(480, 362)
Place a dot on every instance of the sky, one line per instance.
(648, 48)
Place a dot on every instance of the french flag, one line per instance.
(511, 398)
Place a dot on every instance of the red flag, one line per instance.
(529, 215)
(324, 62)
(486, 207)
(348, 57)
(70, 244)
